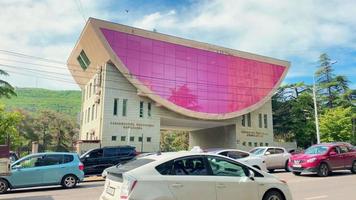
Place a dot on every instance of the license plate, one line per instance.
(297, 165)
(110, 190)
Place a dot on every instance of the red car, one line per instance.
(324, 158)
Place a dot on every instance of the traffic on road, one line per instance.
(196, 174)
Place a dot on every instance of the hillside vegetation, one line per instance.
(35, 99)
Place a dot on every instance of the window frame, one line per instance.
(124, 107)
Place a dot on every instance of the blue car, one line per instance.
(43, 169)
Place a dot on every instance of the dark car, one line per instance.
(96, 160)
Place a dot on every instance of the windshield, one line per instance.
(257, 151)
(316, 150)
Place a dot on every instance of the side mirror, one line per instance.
(333, 153)
(16, 167)
(268, 153)
(251, 175)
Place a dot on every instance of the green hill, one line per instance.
(33, 99)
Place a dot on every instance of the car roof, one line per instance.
(172, 155)
(54, 153)
(217, 150)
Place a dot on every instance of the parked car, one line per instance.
(191, 176)
(96, 160)
(43, 169)
(13, 157)
(324, 158)
(242, 156)
(275, 157)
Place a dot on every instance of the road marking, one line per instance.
(317, 197)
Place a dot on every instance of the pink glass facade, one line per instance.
(195, 79)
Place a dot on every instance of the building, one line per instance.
(137, 83)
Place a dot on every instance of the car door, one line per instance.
(93, 162)
(336, 160)
(52, 172)
(27, 172)
(232, 180)
(270, 158)
(347, 156)
(190, 179)
(280, 158)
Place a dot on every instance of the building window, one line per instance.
(243, 120)
(87, 138)
(124, 107)
(260, 120)
(261, 144)
(249, 119)
(132, 139)
(123, 138)
(250, 144)
(265, 120)
(83, 60)
(266, 144)
(256, 144)
(96, 112)
(115, 106)
(140, 139)
(244, 143)
(141, 108)
(88, 115)
(148, 139)
(94, 86)
(113, 138)
(90, 86)
(92, 112)
(149, 109)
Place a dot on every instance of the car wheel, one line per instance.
(4, 186)
(271, 170)
(69, 181)
(323, 170)
(273, 195)
(297, 173)
(353, 168)
(287, 168)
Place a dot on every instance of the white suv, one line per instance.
(242, 156)
(275, 157)
(191, 176)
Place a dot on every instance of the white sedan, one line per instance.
(191, 176)
(275, 157)
(243, 156)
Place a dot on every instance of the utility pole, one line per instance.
(316, 112)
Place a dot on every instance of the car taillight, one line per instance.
(127, 186)
(81, 167)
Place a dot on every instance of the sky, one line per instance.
(37, 36)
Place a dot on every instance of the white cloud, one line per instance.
(277, 28)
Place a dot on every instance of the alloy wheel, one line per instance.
(273, 197)
(70, 181)
(3, 187)
(324, 170)
(354, 167)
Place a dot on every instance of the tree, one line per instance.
(293, 114)
(6, 90)
(336, 125)
(330, 87)
(174, 141)
(8, 128)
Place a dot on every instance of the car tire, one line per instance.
(4, 186)
(69, 181)
(323, 170)
(297, 173)
(353, 167)
(287, 168)
(271, 170)
(273, 195)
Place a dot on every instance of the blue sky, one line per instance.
(294, 30)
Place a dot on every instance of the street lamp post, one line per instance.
(316, 113)
(316, 109)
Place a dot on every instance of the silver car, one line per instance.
(275, 157)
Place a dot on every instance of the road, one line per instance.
(340, 185)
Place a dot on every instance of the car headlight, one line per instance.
(310, 160)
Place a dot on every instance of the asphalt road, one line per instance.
(340, 185)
